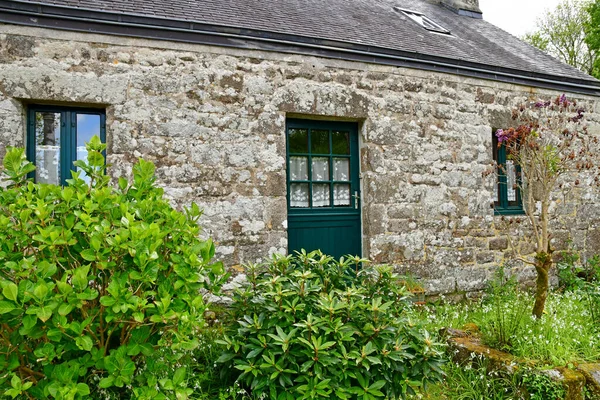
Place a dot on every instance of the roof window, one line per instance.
(424, 21)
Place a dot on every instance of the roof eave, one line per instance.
(102, 22)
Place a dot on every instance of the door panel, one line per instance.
(323, 187)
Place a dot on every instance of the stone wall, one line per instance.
(212, 120)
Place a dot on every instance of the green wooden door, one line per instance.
(323, 188)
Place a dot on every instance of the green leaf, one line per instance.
(226, 357)
(84, 343)
(11, 291)
(80, 277)
(83, 389)
(65, 309)
(44, 313)
(88, 255)
(106, 382)
(6, 307)
(15, 382)
(179, 376)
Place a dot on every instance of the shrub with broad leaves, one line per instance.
(314, 327)
(99, 286)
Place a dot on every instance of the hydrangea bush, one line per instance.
(99, 286)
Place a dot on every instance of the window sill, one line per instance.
(509, 211)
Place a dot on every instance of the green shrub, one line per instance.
(507, 311)
(312, 327)
(100, 286)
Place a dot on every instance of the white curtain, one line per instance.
(341, 169)
(320, 169)
(320, 195)
(47, 161)
(299, 195)
(341, 195)
(321, 192)
(298, 168)
(511, 180)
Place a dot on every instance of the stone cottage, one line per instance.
(355, 126)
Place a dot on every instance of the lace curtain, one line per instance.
(321, 192)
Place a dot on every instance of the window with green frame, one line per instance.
(507, 200)
(56, 138)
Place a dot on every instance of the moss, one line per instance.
(592, 377)
(573, 383)
(468, 350)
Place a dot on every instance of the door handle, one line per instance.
(356, 199)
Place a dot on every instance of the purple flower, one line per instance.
(563, 100)
(539, 104)
(501, 135)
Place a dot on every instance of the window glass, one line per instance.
(56, 138)
(340, 142)
(88, 125)
(298, 140)
(319, 141)
(299, 168)
(341, 195)
(320, 194)
(320, 168)
(299, 195)
(341, 169)
(506, 196)
(47, 147)
(511, 181)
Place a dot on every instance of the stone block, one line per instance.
(498, 243)
(592, 377)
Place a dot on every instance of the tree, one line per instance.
(593, 33)
(551, 145)
(562, 33)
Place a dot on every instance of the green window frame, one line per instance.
(503, 204)
(66, 121)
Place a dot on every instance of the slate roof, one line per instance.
(372, 23)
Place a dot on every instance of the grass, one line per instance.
(564, 335)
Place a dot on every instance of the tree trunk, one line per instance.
(543, 262)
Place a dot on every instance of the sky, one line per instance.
(515, 16)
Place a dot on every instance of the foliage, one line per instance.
(507, 311)
(313, 327)
(99, 285)
(539, 386)
(209, 379)
(554, 151)
(593, 32)
(562, 33)
(570, 334)
(573, 275)
(479, 381)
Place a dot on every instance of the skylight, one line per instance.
(424, 21)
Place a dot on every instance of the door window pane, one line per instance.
(299, 195)
(320, 169)
(340, 142)
(341, 194)
(320, 195)
(319, 140)
(341, 169)
(298, 168)
(47, 147)
(298, 139)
